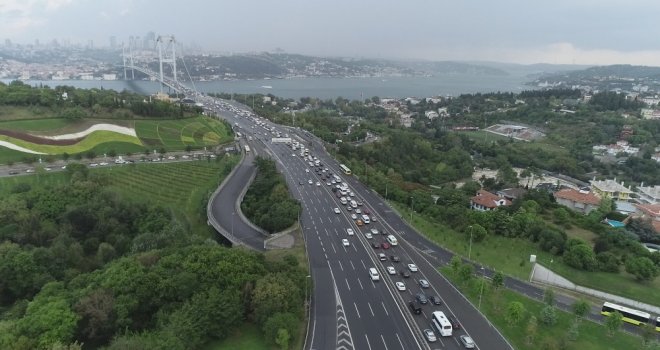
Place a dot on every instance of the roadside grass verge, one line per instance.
(511, 257)
(35, 125)
(591, 336)
(247, 337)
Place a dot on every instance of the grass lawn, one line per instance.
(511, 257)
(182, 186)
(35, 125)
(177, 134)
(247, 337)
(592, 336)
(508, 255)
(483, 136)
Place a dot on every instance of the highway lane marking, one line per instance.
(370, 309)
(381, 337)
(333, 248)
(353, 266)
(368, 344)
(360, 282)
(321, 220)
(384, 308)
(400, 342)
(340, 265)
(349, 288)
(363, 265)
(356, 309)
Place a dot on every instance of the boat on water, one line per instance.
(266, 86)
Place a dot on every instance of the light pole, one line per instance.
(483, 281)
(232, 223)
(412, 207)
(470, 249)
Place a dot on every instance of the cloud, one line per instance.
(567, 53)
(19, 16)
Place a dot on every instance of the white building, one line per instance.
(431, 115)
(648, 194)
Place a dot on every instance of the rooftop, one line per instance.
(610, 185)
(577, 196)
(488, 200)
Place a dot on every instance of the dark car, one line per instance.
(421, 297)
(334, 189)
(405, 273)
(300, 183)
(435, 300)
(395, 258)
(376, 245)
(454, 322)
(416, 309)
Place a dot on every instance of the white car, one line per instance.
(345, 242)
(368, 235)
(351, 194)
(328, 184)
(467, 341)
(306, 170)
(412, 267)
(310, 182)
(358, 211)
(103, 163)
(430, 336)
(391, 270)
(354, 216)
(401, 286)
(374, 231)
(350, 231)
(337, 211)
(318, 183)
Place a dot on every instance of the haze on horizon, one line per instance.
(588, 32)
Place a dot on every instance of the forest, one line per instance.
(82, 266)
(267, 203)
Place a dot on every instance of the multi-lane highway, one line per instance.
(350, 310)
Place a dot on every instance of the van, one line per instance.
(365, 218)
(373, 273)
(416, 309)
(392, 240)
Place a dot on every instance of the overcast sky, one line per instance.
(521, 31)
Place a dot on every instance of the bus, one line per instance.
(345, 169)
(442, 324)
(629, 315)
(247, 148)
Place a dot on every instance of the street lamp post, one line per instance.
(470, 249)
(412, 207)
(483, 281)
(232, 223)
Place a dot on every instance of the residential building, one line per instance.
(651, 212)
(431, 115)
(610, 188)
(648, 194)
(581, 201)
(511, 193)
(485, 201)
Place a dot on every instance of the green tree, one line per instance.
(642, 268)
(581, 256)
(515, 312)
(272, 294)
(498, 280)
(580, 308)
(455, 264)
(532, 330)
(548, 315)
(647, 332)
(466, 272)
(49, 318)
(608, 262)
(573, 331)
(549, 297)
(476, 232)
(282, 338)
(613, 322)
(282, 320)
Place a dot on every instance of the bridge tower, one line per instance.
(166, 43)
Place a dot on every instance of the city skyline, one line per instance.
(564, 32)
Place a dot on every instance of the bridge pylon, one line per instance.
(167, 44)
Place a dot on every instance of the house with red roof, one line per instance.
(650, 211)
(581, 201)
(485, 200)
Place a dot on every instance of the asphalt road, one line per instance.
(349, 310)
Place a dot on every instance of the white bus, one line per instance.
(633, 316)
(247, 148)
(442, 324)
(345, 169)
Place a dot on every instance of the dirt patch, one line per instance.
(38, 140)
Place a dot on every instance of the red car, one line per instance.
(385, 245)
